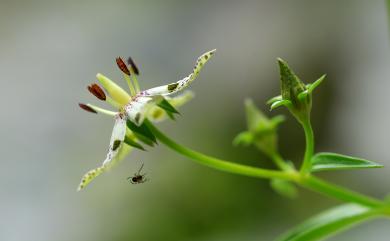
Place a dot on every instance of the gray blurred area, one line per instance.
(51, 50)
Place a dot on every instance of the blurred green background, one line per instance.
(51, 50)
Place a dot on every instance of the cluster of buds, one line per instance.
(131, 110)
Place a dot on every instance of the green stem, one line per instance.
(338, 192)
(305, 180)
(309, 137)
(218, 163)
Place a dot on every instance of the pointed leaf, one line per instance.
(331, 161)
(276, 104)
(133, 143)
(316, 83)
(284, 188)
(329, 222)
(164, 104)
(170, 115)
(273, 99)
(142, 132)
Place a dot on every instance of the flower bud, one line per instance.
(262, 131)
(295, 95)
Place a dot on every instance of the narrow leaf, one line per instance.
(276, 104)
(316, 83)
(273, 99)
(133, 143)
(325, 161)
(329, 222)
(164, 104)
(142, 132)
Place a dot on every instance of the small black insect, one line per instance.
(138, 177)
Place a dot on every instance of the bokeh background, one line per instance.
(51, 50)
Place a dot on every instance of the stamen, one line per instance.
(133, 66)
(134, 78)
(100, 110)
(87, 108)
(130, 84)
(134, 71)
(122, 66)
(97, 91)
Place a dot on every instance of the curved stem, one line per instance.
(218, 163)
(305, 180)
(309, 137)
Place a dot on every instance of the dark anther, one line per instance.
(122, 66)
(97, 91)
(133, 66)
(87, 108)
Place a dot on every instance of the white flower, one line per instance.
(134, 107)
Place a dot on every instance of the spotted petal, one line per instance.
(116, 142)
(183, 83)
(137, 109)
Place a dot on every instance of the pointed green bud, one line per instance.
(261, 130)
(291, 85)
(295, 95)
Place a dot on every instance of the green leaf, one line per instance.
(316, 83)
(284, 188)
(273, 99)
(276, 104)
(164, 104)
(142, 132)
(326, 161)
(133, 143)
(329, 222)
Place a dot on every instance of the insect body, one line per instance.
(138, 177)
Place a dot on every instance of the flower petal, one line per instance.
(92, 174)
(137, 109)
(183, 83)
(116, 143)
(117, 137)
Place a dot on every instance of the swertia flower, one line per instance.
(132, 110)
